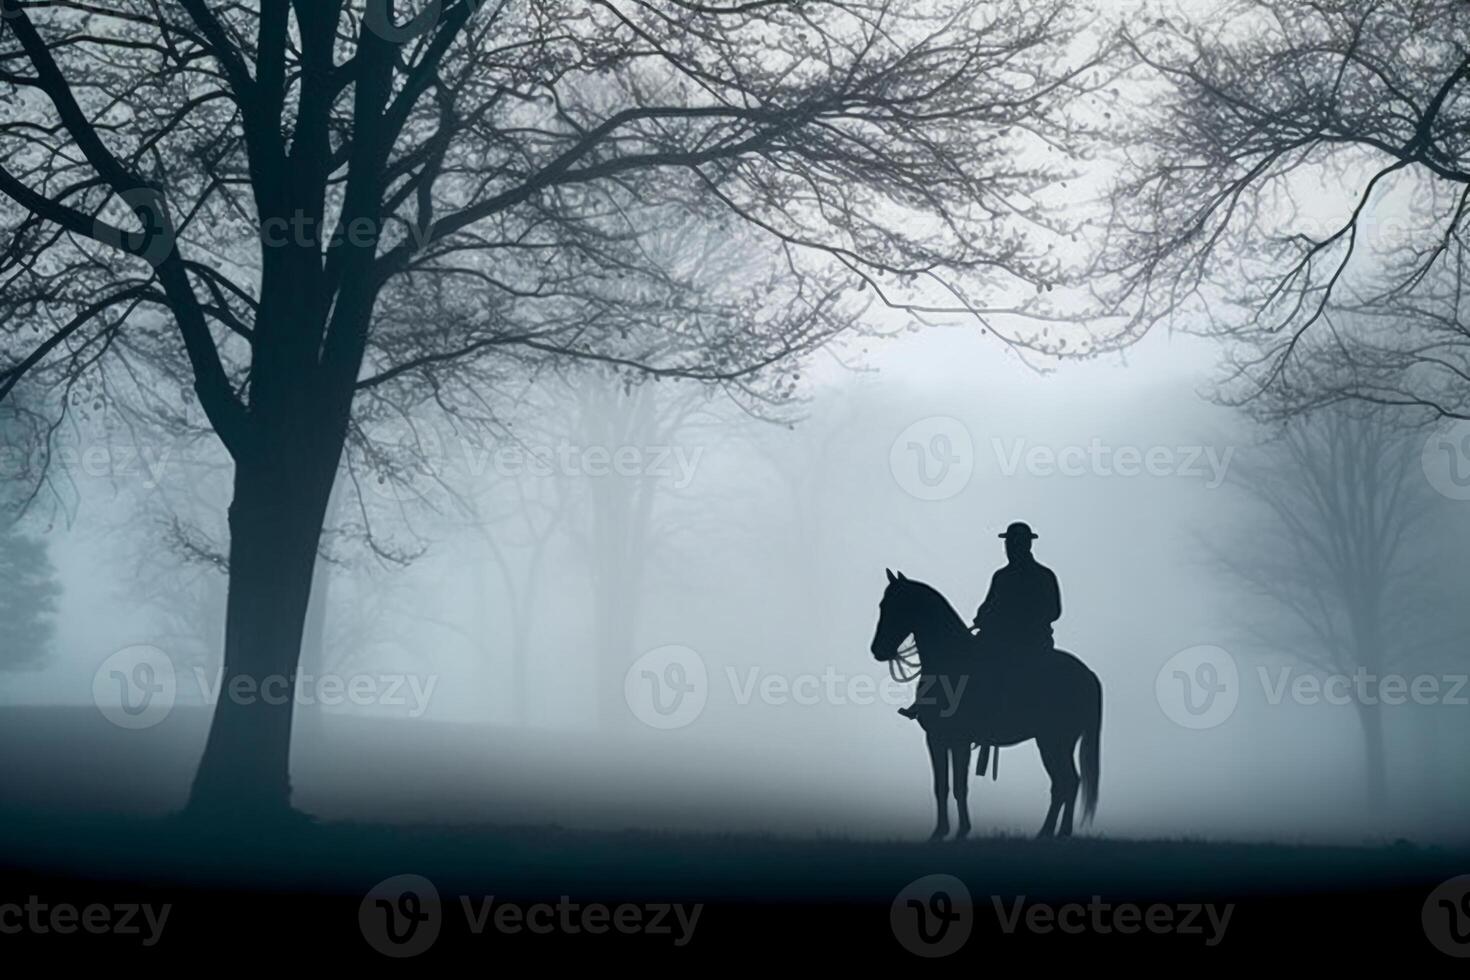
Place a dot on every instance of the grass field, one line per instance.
(87, 820)
(306, 884)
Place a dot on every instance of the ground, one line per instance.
(257, 890)
(312, 888)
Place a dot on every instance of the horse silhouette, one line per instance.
(973, 694)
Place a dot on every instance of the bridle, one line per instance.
(905, 667)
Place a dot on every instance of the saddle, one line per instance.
(1029, 647)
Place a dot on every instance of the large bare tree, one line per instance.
(1298, 179)
(246, 206)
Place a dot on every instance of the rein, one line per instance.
(904, 668)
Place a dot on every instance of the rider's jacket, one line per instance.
(1023, 601)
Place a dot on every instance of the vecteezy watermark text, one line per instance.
(426, 453)
(670, 686)
(403, 916)
(675, 920)
(121, 461)
(138, 686)
(1097, 458)
(835, 687)
(1363, 686)
(674, 463)
(935, 458)
(1207, 921)
(934, 916)
(41, 918)
(1201, 686)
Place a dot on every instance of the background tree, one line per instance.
(537, 518)
(624, 525)
(1338, 552)
(28, 595)
(29, 588)
(814, 485)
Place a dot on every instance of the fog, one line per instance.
(495, 647)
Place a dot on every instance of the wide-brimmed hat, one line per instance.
(1020, 529)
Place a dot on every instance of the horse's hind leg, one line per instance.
(1069, 798)
(939, 762)
(959, 761)
(1056, 755)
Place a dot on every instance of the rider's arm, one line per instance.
(988, 607)
(1053, 598)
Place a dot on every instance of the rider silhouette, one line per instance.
(1023, 601)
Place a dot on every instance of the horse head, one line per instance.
(899, 613)
(894, 625)
(911, 608)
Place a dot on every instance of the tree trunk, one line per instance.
(275, 523)
(524, 616)
(310, 724)
(1367, 624)
(1371, 716)
(519, 689)
(616, 622)
(1431, 766)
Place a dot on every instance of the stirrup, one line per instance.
(984, 756)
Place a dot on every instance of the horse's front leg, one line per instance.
(939, 762)
(959, 759)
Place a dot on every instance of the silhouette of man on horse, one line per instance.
(1018, 612)
(1007, 686)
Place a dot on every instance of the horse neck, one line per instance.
(942, 634)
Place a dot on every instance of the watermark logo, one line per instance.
(1446, 460)
(379, 20)
(933, 916)
(401, 916)
(1446, 917)
(156, 241)
(934, 458)
(667, 688)
(136, 687)
(1198, 687)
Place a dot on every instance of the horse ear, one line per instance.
(891, 579)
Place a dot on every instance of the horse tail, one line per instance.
(1091, 737)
